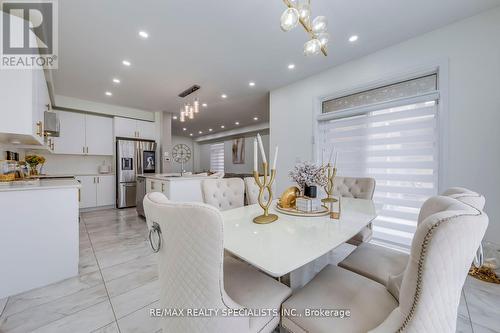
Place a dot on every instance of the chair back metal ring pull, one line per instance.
(155, 229)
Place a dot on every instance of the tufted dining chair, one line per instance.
(359, 188)
(442, 249)
(252, 191)
(225, 193)
(194, 274)
(386, 266)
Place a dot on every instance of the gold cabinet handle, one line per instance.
(83, 149)
(39, 128)
(98, 180)
(152, 185)
(162, 187)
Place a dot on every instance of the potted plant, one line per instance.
(33, 161)
(308, 175)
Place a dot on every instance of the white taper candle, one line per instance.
(275, 158)
(255, 157)
(262, 152)
(331, 155)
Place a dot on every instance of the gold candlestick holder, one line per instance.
(332, 171)
(264, 185)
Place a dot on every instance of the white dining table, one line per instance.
(291, 242)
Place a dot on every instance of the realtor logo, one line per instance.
(29, 34)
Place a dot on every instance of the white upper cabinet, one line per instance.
(98, 135)
(84, 134)
(23, 100)
(146, 130)
(131, 128)
(125, 127)
(71, 138)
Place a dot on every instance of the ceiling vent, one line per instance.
(189, 91)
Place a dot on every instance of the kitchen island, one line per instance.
(186, 188)
(39, 242)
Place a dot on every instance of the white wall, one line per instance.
(189, 166)
(472, 52)
(203, 155)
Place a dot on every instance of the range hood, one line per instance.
(51, 121)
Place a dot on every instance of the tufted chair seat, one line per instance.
(223, 194)
(359, 188)
(252, 191)
(430, 290)
(385, 265)
(194, 274)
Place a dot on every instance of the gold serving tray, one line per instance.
(294, 212)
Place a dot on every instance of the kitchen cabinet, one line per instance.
(182, 189)
(84, 134)
(71, 138)
(97, 191)
(146, 130)
(88, 191)
(99, 135)
(105, 190)
(132, 128)
(24, 98)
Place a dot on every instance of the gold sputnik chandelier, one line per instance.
(299, 11)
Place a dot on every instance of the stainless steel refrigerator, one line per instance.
(133, 157)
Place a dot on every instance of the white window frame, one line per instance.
(441, 68)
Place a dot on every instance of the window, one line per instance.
(393, 138)
(217, 157)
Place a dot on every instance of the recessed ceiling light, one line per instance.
(174, 117)
(353, 38)
(222, 126)
(255, 118)
(115, 80)
(291, 66)
(126, 63)
(237, 123)
(210, 130)
(204, 105)
(223, 96)
(108, 93)
(200, 132)
(143, 34)
(190, 134)
(184, 128)
(251, 84)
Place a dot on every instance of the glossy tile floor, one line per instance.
(118, 284)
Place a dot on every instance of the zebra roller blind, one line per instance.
(217, 157)
(394, 141)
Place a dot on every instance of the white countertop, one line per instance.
(291, 242)
(43, 184)
(173, 177)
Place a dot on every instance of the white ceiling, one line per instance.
(221, 45)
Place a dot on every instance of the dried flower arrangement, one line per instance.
(308, 174)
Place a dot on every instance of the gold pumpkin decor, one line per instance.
(287, 199)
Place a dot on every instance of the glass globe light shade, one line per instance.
(312, 47)
(319, 24)
(289, 19)
(305, 12)
(323, 38)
